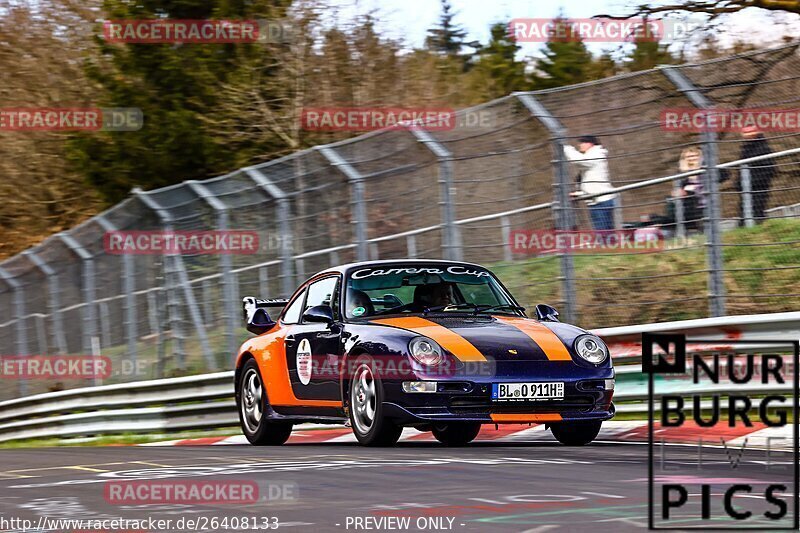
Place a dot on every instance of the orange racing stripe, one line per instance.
(548, 341)
(511, 418)
(447, 339)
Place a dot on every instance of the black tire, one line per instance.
(365, 407)
(251, 398)
(576, 433)
(456, 433)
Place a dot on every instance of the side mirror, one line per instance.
(319, 313)
(546, 313)
(256, 318)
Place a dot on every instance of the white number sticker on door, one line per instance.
(304, 362)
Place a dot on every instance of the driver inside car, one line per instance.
(358, 304)
(433, 295)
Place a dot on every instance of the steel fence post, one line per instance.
(563, 216)
(505, 230)
(711, 155)
(411, 246)
(716, 267)
(263, 279)
(173, 264)
(105, 327)
(173, 312)
(747, 196)
(21, 339)
(235, 299)
(228, 290)
(453, 246)
(54, 300)
(357, 193)
(129, 287)
(154, 320)
(131, 314)
(283, 213)
(88, 279)
(299, 209)
(207, 299)
(680, 222)
(41, 334)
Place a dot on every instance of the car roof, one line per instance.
(343, 269)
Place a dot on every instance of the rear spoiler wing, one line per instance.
(272, 302)
(250, 304)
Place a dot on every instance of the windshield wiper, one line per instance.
(482, 309)
(449, 306)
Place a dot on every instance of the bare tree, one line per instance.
(717, 8)
(42, 46)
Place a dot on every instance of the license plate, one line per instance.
(553, 390)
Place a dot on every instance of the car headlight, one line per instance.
(425, 351)
(591, 348)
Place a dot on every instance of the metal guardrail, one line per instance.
(206, 401)
(192, 402)
(625, 344)
(626, 348)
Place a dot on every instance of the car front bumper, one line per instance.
(585, 398)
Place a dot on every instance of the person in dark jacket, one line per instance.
(761, 173)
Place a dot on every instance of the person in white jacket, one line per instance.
(593, 160)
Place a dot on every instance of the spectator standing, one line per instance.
(761, 173)
(592, 157)
(690, 190)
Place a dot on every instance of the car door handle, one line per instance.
(290, 341)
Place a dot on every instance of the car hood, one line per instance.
(501, 338)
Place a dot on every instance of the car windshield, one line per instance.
(421, 289)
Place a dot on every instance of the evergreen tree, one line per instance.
(604, 66)
(175, 86)
(447, 38)
(566, 61)
(647, 54)
(497, 72)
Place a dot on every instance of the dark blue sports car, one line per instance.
(438, 345)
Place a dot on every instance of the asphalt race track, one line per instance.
(487, 486)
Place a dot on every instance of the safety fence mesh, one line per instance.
(476, 192)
